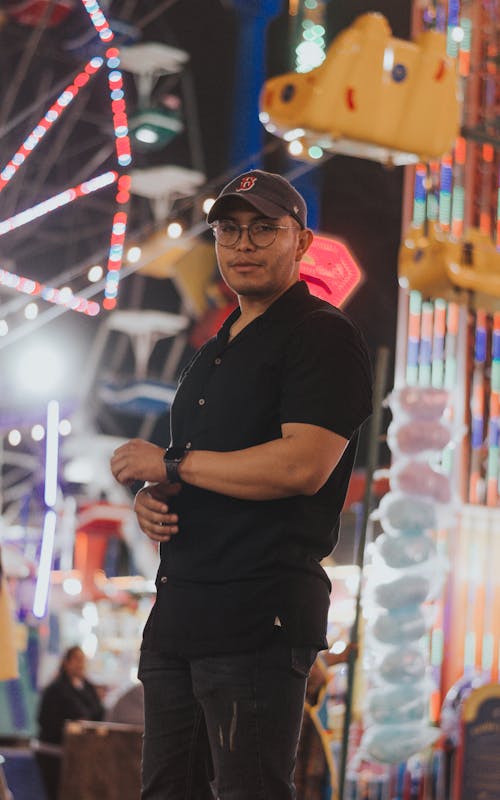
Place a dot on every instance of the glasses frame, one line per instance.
(241, 228)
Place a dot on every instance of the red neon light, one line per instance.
(330, 270)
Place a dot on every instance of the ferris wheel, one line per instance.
(65, 184)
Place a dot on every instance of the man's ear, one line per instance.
(306, 237)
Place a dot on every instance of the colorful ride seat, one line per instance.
(393, 99)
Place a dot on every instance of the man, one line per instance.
(245, 503)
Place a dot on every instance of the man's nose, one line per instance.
(245, 240)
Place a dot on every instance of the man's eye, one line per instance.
(262, 227)
(228, 227)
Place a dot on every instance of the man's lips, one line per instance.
(244, 265)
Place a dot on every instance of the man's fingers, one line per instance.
(159, 526)
(119, 468)
(155, 538)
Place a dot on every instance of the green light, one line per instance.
(311, 4)
(437, 642)
(451, 43)
(415, 302)
(488, 651)
(444, 208)
(466, 26)
(495, 375)
(470, 649)
(432, 207)
(418, 212)
(458, 203)
(318, 30)
(315, 151)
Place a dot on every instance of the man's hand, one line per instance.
(138, 460)
(153, 512)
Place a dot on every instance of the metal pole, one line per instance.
(381, 369)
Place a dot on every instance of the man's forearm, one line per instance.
(298, 463)
(280, 468)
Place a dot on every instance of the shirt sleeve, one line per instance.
(327, 379)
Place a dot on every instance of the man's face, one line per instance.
(261, 272)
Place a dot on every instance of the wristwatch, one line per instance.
(172, 458)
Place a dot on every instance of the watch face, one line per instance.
(174, 453)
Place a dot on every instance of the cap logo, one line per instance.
(246, 183)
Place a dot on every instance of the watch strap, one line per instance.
(172, 458)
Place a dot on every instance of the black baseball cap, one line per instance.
(269, 193)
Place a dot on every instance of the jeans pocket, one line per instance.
(302, 660)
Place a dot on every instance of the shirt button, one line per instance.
(218, 361)
(188, 445)
(163, 579)
(201, 401)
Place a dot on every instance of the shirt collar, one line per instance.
(287, 303)
(283, 308)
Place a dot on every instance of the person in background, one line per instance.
(245, 503)
(69, 696)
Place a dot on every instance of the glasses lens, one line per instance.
(226, 233)
(262, 234)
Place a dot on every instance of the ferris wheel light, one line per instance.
(124, 159)
(134, 254)
(174, 230)
(53, 114)
(14, 437)
(37, 433)
(98, 20)
(65, 295)
(31, 311)
(64, 427)
(58, 200)
(95, 273)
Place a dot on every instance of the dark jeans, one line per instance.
(223, 726)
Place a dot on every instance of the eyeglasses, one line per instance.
(261, 234)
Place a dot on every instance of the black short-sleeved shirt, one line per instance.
(236, 565)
